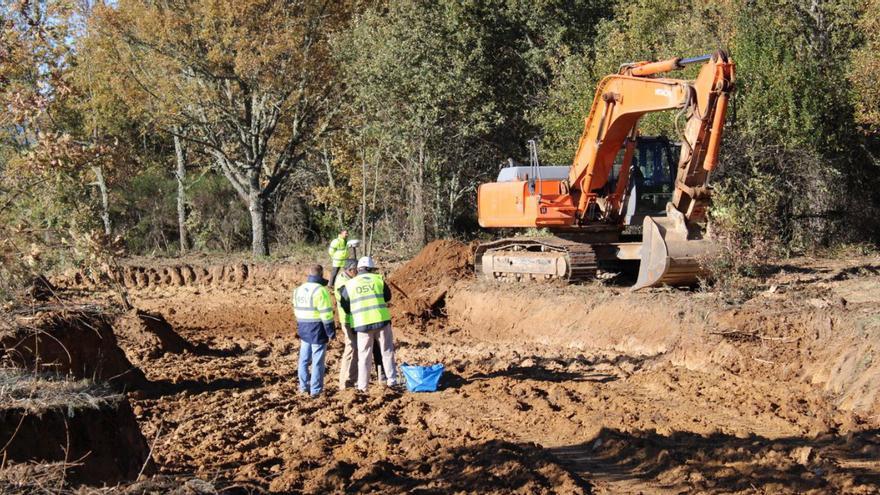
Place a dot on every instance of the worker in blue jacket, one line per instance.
(313, 309)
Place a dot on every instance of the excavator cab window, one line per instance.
(651, 177)
(657, 166)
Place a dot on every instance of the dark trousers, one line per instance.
(333, 273)
(377, 359)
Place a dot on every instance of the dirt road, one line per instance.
(547, 390)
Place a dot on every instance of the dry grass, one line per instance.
(42, 477)
(36, 393)
(47, 478)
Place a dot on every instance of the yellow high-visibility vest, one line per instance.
(311, 303)
(366, 296)
(344, 318)
(338, 252)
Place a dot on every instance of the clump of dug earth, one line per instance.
(425, 280)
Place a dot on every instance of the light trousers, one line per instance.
(365, 355)
(349, 364)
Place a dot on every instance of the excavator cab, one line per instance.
(651, 179)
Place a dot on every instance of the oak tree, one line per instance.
(251, 81)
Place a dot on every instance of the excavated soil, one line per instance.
(98, 445)
(422, 283)
(59, 368)
(77, 341)
(547, 389)
(177, 275)
(144, 335)
(61, 375)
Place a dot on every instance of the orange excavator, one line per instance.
(584, 205)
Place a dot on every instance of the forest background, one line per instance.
(176, 126)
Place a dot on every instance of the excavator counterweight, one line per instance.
(588, 205)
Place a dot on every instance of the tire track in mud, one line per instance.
(187, 275)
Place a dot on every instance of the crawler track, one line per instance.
(536, 258)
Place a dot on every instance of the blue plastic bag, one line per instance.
(422, 378)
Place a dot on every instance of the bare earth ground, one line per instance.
(548, 390)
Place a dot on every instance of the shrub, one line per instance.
(745, 223)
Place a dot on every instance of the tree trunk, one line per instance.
(364, 203)
(373, 200)
(331, 181)
(105, 199)
(180, 153)
(418, 216)
(257, 208)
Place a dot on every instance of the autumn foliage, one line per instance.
(258, 124)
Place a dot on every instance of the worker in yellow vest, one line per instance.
(314, 324)
(348, 364)
(366, 298)
(338, 252)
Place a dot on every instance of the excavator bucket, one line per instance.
(670, 252)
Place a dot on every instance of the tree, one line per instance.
(105, 113)
(864, 67)
(445, 86)
(35, 52)
(640, 30)
(180, 158)
(253, 98)
(44, 166)
(410, 75)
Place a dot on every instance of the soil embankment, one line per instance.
(818, 340)
(78, 342)
(62, 379)
(97, 441)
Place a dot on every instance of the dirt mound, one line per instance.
(86, 427)
(78, 342)
(146, 335)
(427, 278)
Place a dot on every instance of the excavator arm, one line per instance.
(622, 99)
